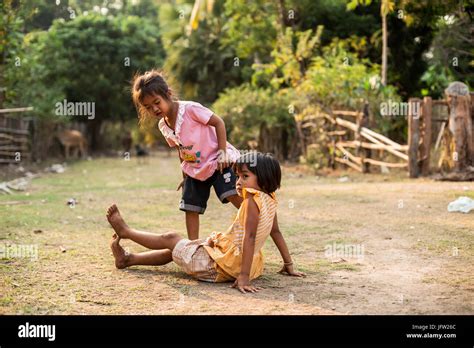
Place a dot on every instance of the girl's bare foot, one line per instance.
(117, 222)
(120, 255)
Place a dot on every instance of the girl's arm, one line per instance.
(242, 283)
(219, 125)
(283, 249)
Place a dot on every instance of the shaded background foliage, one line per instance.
(251, 61)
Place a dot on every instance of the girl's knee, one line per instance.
(170, 235)
(171, 239)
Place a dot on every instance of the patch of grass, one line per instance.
(345, 267)
(459, 193)
(325, 211)
(452, 279)
(5, 300)
(460, 245)
(324, 266)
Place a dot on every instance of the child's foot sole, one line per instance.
(117, 222)
(120, 255)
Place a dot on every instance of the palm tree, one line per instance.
(198, 10)
(385, 8)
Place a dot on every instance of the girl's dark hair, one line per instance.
(264, 166)
(149, 83)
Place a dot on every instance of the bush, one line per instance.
(286, 91)
(340, 80)
(255, 114)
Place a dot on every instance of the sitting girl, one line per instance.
(234, 255)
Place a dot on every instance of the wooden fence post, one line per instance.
(413, 136)
(460, 124)
(425, 148)
(472, 117)
(363, 121)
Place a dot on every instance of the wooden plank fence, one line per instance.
(14, 135)
(363, 141)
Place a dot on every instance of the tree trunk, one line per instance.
(94, 135)
(284, 143)
(43, 134)
(273, 140)
(384, 50)
(283, 15)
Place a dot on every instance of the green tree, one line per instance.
(291, 58)
(200, 63)
(451, 55)
(11, 37)
(252, 28)
(413, 25)
(44, 12)
(90, 59)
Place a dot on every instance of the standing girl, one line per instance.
(200, 138)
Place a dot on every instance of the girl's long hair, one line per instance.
(150, 83)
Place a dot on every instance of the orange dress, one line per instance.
(226, 248)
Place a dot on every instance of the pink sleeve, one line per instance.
(200, 113)
(164, 132)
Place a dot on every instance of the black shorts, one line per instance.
(196, 192)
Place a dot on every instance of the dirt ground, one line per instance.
(403, 252)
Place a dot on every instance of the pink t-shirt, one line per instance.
(196, 140)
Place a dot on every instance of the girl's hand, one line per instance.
(289, 270)
(242, 283)
(223, 160)
(180, 185)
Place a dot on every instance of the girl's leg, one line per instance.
(236, 200)
(152, 257)
(124, 259)
(192, 225)
(146, 239)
